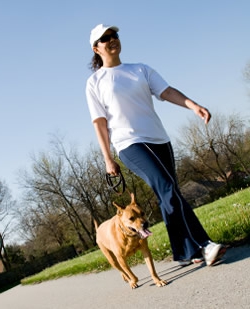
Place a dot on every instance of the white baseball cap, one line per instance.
(98, 31)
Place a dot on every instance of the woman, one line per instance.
(120, 102)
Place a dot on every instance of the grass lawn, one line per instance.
(226, 221)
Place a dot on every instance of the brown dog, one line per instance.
(121, 236)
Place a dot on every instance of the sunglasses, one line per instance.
(107, 37)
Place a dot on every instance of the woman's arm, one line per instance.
(175, 96)
(100, 125)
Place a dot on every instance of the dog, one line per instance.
(123, 235)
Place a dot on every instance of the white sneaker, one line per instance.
(213, 252)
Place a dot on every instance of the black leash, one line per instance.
(115, 181)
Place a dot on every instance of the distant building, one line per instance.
(197, 193)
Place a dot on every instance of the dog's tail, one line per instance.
(96, 224)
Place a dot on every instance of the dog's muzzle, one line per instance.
(144, 232)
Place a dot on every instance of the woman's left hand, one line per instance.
(202, 112)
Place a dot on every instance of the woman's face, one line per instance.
(110, 48)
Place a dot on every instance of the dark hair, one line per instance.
(96, 62)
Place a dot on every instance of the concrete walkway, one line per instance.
(226, 285)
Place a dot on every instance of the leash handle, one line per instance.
(115, 184)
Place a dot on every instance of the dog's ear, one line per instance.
(132, 198)
(119, 209)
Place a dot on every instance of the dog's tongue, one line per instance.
(145, 233)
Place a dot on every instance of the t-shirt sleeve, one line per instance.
(156, 82)
(96, 108)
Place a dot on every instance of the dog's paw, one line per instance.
(161, 283)
(133, 285)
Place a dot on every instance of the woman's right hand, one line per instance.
(112, 168)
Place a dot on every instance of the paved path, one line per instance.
(226, 285)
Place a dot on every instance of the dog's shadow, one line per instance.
(176, 272)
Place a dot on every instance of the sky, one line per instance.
(199, 47)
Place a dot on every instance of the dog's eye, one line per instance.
(132, 218)
(142, 214)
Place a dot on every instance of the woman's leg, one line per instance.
(155, 165)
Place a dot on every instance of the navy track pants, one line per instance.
(154, 163)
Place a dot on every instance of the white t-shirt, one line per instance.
(123, 95)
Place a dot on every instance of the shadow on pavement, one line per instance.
(233, 254)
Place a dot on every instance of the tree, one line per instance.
(214, 151)
(15, 255)
(51, 203)
(6, 205)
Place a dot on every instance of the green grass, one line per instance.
(226, 220)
